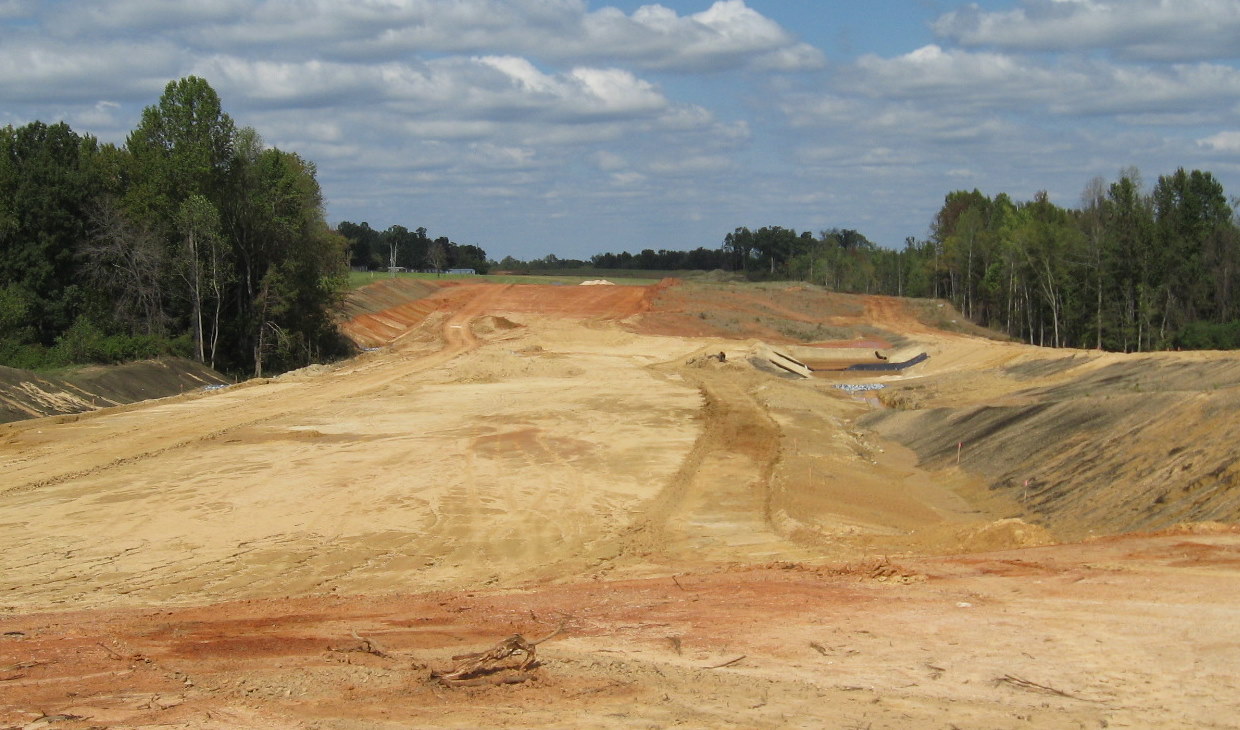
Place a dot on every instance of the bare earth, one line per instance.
(1002, 537)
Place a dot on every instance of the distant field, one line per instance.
(359, 279)
(628, 275)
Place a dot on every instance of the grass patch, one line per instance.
(359, 279)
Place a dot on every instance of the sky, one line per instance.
(573, 127)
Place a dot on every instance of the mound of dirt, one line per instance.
(1005, 534)
(491, 324)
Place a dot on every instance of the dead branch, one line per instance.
(484, 667)
(20, 665)
(489, 662)
(1027, 685)
(369, 646)
(728, 663)
(111, 653)
(495, 679)
(17, 669)
(62, 717)
(364, 645)
(551, 635)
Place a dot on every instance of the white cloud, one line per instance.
(577, 119)
(483, 88)
(628, 179)
(30, 67)
(611, 91)
(727, 35)
(691, 165)
(485, 155)
(91, 18)
(960, 78)
(102, 114)
(1166, 30)
(1226, 142)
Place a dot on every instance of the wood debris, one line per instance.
(1035, 687)
(728, 663)
(491, 666)
(364, 645)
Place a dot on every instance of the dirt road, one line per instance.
(720, 545)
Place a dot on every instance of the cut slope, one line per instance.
(1107, 443)
(25, 394)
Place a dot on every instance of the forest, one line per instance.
(397, 246)
(193, 238)
(1129, 270)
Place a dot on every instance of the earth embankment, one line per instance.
(1088, 444)
(25, 394)
(718, 543)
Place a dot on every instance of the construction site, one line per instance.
(691, 504)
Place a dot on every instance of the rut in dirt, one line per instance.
(733, 459)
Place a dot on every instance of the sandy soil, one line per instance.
(717, 542)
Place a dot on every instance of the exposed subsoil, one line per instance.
(707, 541)
(24, 394)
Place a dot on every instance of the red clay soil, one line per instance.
(1016, 639)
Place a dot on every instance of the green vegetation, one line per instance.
(359, 279)
(1127, 271)
(193, 238)
(412, 251)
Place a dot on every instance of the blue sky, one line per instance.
(573, 127)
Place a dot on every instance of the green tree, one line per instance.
(1093, 227)
(204, 264)
(47, 181)
(183, 146)
(437, 255)
(365, 249)
(1129, 258)
(297, 262)
(1191, 228)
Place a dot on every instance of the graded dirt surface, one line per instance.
(709, 542)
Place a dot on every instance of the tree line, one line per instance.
(397, 246)
(196, 238)
(192, 238)
(1129, 270)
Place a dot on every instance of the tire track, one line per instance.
(734, 424)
